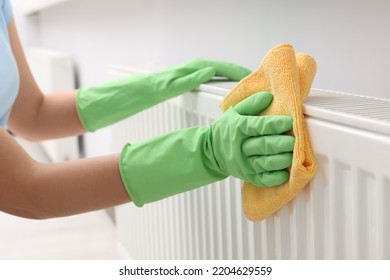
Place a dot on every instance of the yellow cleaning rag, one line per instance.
(288, 76)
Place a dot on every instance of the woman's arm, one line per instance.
(36, 116)
(34, 190)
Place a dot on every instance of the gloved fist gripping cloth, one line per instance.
(102, 105)
(288, 76)
(239, 143)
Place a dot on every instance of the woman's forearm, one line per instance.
(75, 187)
(55, 117)
(35, 190)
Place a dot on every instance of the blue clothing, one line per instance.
(9, 77)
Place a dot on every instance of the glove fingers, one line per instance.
(254, 104)
(261, 164)
(228, 70)
(266, 125)
(192, 80)
(268, 145)
(223, 69)
(269, 179)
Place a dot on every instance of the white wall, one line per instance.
(349, 39)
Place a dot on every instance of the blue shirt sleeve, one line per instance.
(7, 10)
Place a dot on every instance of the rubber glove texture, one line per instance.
(250, 147)
(102, 105)
(239, 143)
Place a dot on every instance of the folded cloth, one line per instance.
(288, 76)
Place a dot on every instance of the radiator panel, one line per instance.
(341, 214)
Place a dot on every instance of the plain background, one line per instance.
(349, 39)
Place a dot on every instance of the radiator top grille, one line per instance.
(362, 112)
(378, 109)
(368, 113)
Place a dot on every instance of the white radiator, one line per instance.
(54, 72)
(343, 214)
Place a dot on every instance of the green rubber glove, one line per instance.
(239, 143)
(105, 104)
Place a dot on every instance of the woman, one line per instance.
(239, 143)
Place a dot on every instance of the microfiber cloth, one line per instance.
(288, 76)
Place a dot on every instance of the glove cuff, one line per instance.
(167, 165)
